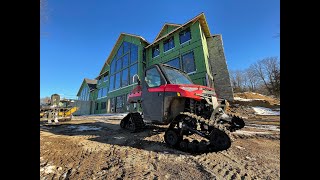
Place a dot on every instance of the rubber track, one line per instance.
(137, 120)
(209, 123)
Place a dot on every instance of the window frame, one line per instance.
(194, 61)
(167, 41)
(175, 59)
(187, 29)
(103, 105)
(153, 50)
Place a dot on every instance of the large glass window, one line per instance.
(125, 62)
(133, 71)
(101, 92)
(185, 35)
(125, 78)
(120, 51)
(119, 64)
(168, 44)
(152, 77)
(155, 51)
(123, 66)
(188, 63)
(104, 92)
(113, 66)
(111, 83)
(119, 103)
(126, 47)
(174, 63)
(117, 81)
(133, 54)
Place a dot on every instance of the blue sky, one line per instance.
(78, 35)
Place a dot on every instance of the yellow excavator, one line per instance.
(57, 109)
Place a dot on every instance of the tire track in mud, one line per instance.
(238, 163)
(69, 159)
(225, 168)
(81, 157)
(85, 161)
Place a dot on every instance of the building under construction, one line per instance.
(189, 46)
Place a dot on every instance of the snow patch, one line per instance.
(109, 114)
(84, 128)
(239, 147)
(49, 169)
(250, 133)
(265, 111)
(251, 159)
(266, 127)
(242, 99)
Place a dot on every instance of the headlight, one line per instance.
(189, 88)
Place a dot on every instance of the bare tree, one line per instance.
(238, 80)
(233, 79)
(252, 79)
(268, 70)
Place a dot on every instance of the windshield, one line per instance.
(176, 77)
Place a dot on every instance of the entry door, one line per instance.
(153, 95)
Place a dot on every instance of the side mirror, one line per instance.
(136, 78)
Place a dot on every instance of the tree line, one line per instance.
(262, 77)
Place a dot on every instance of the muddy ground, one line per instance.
(94, 147)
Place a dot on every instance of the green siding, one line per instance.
(167, 29)
(195, 44)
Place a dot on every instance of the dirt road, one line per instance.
(96, 148)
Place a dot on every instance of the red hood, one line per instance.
(200, 87)
(185, 92)
(182, 89)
